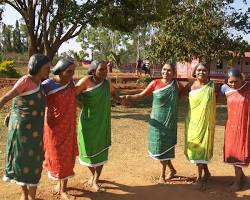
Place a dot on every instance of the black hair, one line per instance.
(93, 66)
(197, 65)
(233, 72)
(62, 65)
(36, 62)
(172, 65)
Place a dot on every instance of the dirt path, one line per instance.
(131, 175)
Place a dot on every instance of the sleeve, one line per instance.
(223, 89)
(21, 85)
(45, 84)
(150, 88)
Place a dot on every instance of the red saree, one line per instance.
(237, 132)
(60, 139)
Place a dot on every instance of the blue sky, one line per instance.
(10, 16)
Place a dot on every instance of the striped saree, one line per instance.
(162, 135)
(94, 126)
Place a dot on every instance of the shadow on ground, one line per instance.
(217, 189)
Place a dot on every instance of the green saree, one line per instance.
(200, 124)
(162, 135)
(94, 126)
(24, 150)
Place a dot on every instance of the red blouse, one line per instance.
(158, 84)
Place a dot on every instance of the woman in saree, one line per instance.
(162, 133)
(94, 126)
(200, 122)
(60, 138)
(237, 131)
(24, 150)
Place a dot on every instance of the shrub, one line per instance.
(145, 80)
(7, 69)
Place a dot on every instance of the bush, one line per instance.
(145, 80)
(7, 70)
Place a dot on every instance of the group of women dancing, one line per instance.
(43, 133)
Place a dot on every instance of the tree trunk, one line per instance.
(31, 45)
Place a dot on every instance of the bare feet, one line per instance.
(56, 190)
(162, 180)
(200, 184)
(197, 180)
(64, 196)
(23, 197)
(171, 175)
(206, 176)
(97, 188)
(89, 182)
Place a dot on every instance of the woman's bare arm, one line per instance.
(8, 96)
(81, 85)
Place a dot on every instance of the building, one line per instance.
(217, 68)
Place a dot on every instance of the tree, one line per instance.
(200, 29)
(104, 43)
(78, 56)
(52, 22)
(17, 43)
(13, 39)
(6, 42)
(1, 12)
(119, 47)
(24, 36)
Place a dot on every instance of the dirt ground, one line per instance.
(131, 174)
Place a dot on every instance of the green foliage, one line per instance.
(115, 46)
(13, 39)
(185, 28)
(105, 44)
(50, 23)
(145, 80)
(199, 29)
(7, 70)
(77, 56)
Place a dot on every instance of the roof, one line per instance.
(247, 54)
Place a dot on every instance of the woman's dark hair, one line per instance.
(93, 66)
(62, 65)
(36, 62)
(233, 72)
(196, 66)
(172, 66)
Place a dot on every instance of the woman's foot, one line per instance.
(23, 197)
(97, 188)
(56, 190)
(206, 176)
(197, 180)
(171, 174)
(89, 182)
(162, 180)
(65, 196)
